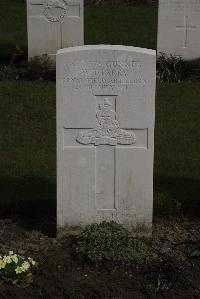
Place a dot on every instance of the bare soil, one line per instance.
(170, 269)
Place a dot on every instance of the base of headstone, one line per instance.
(138, 231)
(50, 59)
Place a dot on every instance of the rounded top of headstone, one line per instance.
(107, 47)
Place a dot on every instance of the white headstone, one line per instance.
(54, 24)
(179, 28)
(105, 135)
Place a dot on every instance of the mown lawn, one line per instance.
(129, 25)
(177, 148)
(28, 148)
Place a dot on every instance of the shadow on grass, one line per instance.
(30, 201)
(177, 195)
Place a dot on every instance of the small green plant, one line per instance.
(170, 69)
(108, 241)
(41, 68)
(38, 68)
(16, 269)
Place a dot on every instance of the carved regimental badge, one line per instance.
(55, 10)
(107, 129)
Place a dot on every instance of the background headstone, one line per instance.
(105, 135)
(54, 24)
(179, 28)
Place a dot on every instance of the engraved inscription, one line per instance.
(107, 129)
(55, 11)
(108, 75)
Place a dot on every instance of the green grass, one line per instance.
(27, 160)
(28, 148)
(130, 25)
(177, 147)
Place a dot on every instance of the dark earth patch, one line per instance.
(168, 270)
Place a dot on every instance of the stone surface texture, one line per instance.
(105, 135)
(179, 28)
(54, 24)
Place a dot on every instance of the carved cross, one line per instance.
(105, 137)
(186, 28)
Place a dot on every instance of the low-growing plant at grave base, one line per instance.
(38, 68)
(170, 69)
(41, 67)
(108, 241)
(16, 269)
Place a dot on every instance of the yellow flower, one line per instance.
(10, 252)
(2, 264)
(18, 270)
(7, 259)
(14, 258)
(25, 266)
(31, 261)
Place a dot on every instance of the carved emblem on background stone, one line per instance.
(55, 10)
(107, 129)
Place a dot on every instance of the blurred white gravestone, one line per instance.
(54, 24)
(105, 135)
(179, 28)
